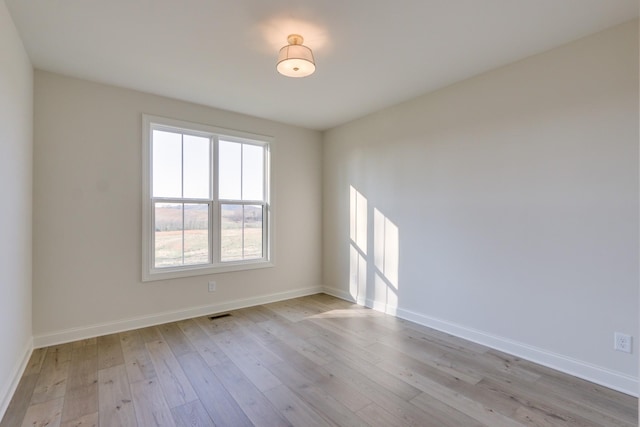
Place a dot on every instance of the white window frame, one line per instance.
(149, 271)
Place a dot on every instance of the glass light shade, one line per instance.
(295, 60)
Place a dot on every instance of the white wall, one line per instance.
(87, 213)
(514, 196)
(16, 146)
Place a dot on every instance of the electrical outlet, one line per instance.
(622, 342)
(212, 286)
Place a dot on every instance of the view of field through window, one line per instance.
(183, 232)
(241, 234)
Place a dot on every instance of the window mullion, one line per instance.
(182, 188)
(265, 230)
(182, 233)
(241, 171)
(212, 220)
(243, 228)
(266, 176)
(215, 229)
(159, 258)
(152, 252)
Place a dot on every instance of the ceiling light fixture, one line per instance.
(295, 59)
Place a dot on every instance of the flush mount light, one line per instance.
(295, 59)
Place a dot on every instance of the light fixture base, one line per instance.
(295, 39)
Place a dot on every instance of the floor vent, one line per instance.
(217, 316)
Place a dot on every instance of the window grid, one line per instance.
(214, 234)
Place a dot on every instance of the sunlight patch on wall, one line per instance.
(386, 256)
(373, 277)
(358, 244)
(358, 273)
(358, 219)
(386, 249)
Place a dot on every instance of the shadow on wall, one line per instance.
(374, 284)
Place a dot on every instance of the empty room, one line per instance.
(304, 213)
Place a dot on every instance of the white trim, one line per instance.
(615, 380)
(149, 272)
(74, 334)
(271, 197)
(8, 390)
(578, 368)
(180, 125)
(147, 219)
(597, 374)
(196, 270)
(339, 293)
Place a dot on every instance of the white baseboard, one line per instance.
(8, 390)
(578, 368)
(339, 293)
(376, 305)
(599, 375)
(614, 380)
(74, 334)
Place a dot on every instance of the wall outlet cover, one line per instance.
(622, 342)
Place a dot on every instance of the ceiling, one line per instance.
(370, 54)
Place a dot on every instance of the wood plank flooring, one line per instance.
(312, 361)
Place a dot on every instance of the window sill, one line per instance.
(177, 273)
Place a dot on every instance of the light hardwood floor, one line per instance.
(313, 361)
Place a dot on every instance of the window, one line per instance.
(206, 202)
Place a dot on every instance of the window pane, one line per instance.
(196, 233)
(252, 172)
(229, 170)
(231, 232)
(167, 164)
(168, 234)
(252, 232)
(196, 167)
